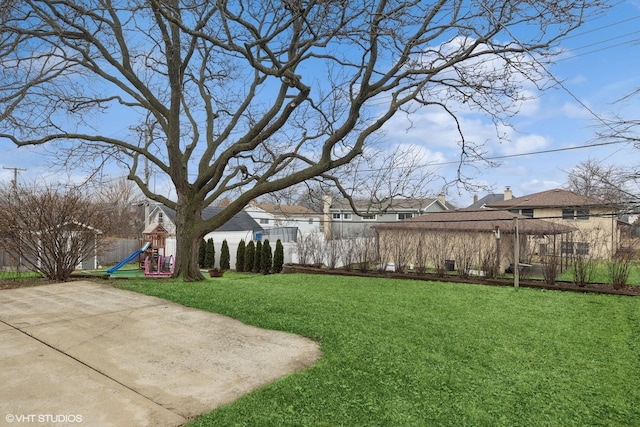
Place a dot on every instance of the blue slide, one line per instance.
(129, 258)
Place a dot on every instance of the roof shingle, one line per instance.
(548, 199)
(484, 220)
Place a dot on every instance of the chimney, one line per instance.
(442, 198)
(508, 195)
(475, 198)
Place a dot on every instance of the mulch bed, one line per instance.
(599, 288)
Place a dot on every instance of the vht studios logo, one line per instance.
(43, 418)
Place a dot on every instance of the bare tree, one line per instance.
(422, 254)
(622, 129)
(440, 250)
(466, 249)
(365, 249)
(551, 257)
(49, 229)
(584, 248)
(619, 267)
(242, 98)
(401, 250)
(122, 201)
(593, 179)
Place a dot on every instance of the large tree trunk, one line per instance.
(188, 236)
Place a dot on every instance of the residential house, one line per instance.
(484, 239)
(490, 199)
(597, 232)
(343, 221)
(285, 222)
(240, 227)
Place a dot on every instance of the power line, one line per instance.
(15, 175)
(612, 24)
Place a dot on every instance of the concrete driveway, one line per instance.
(83, 353)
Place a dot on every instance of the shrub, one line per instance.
(225, 257)
(266, 261)
(210, 254)
(619, 268)
(202, 250)
(257, 258)
(240, 256)
(278, 257)
(50, 229)
(249, 255)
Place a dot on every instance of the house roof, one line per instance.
(241, 221)
(393, 205)
(286, 210)
(549, 199)
(487, 200)
(154, 228)
(482, 220)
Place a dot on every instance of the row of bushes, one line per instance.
(250, 257)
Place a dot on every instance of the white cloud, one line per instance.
(538, 185)
(524, 144)
(575, 111)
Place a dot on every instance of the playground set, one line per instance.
(156, 264)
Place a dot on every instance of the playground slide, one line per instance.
(129, 258)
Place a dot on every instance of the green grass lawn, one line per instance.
(406, 353)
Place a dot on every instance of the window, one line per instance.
(310, 220)
(404, 215)
(577, 248)
(582, 214)
(160, 217)
(264, 220)
(575, 214)
(343, 216)
(582, 249)
(524, 212)
(542, 251)
(369, 217)
(527, 212)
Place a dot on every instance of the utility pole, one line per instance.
(15, 175)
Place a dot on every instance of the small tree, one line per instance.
(422, 256)
(210, 254)
(348, 253)
(249, 256)
(333, 253)
(202, 253)
(550, 260)
(257, 260)
(619, 267)
(266, 261)
(278, 257)
(225, 257)
(240, 256)
(50, 229)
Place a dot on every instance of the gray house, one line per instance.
(343, 221)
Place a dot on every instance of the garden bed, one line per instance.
(600, 288)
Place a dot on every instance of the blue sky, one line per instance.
(599, 65)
